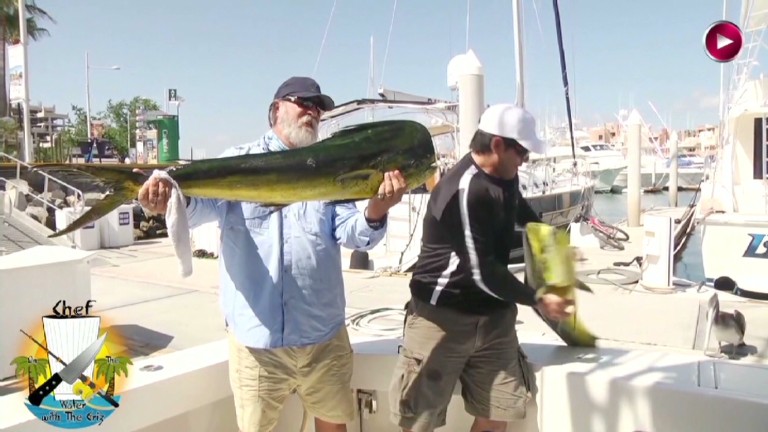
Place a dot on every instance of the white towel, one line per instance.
(177, 224)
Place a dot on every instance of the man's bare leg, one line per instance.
(324, 426)
(486, 425)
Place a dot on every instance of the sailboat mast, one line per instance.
(564, 72)
(519, 69)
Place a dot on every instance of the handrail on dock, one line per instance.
(77, 193)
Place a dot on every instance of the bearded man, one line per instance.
(282, 292)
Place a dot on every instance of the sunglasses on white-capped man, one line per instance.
(518, 148)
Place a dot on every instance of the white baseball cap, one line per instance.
(510, 121)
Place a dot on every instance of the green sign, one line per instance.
(167, 138)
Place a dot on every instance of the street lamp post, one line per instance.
(88, 68)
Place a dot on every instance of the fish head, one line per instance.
(419, 162)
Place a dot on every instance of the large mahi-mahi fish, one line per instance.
(549, 268)
(347, 166)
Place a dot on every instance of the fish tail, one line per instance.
(577, 332)
(124, 183)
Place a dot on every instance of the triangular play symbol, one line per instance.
(723, 41)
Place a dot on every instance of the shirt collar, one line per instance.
(272, 142)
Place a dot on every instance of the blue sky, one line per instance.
(227, 58)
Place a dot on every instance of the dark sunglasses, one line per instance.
(308, 104)
(518, 148)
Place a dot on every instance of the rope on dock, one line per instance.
(362, 321)
(593, 276)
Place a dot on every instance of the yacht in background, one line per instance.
(655, 163)
(599, 160)
(557, 194)
(733, 209)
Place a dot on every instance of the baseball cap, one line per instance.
(304, 87)
(511, 121)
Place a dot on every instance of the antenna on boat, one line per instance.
(325, 36)
(467, 29)
(565, 79)
(371, 81)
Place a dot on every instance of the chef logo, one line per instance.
(71, 370)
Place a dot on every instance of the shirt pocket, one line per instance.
(314, 218)
(247, 215)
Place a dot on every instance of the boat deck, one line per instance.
(157, 311)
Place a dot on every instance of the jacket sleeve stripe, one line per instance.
(442, 281)
(466, 179)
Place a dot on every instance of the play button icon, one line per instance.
(723, 41)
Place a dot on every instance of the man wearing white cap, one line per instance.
(460, 321)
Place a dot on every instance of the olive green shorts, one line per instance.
(263, 379)
(442, 346)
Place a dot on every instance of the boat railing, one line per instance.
(79, 197)
(537, 178)
(546, 175)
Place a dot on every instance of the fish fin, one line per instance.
(357, 176)
(582, 286)
(125, 185)
(347, 201)
(120, 173)
(102, 208)
(570, 330)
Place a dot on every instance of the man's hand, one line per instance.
(390, 193)
(555, 307)
(154, 194)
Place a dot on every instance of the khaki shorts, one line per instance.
(442, 346)
(262, 380)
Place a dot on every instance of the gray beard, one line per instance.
(299, 134)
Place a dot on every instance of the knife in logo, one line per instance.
(83, 378)
(70, 373)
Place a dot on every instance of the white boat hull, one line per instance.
(605, 178)
(687, 178)
(579, 390)
(736, 245)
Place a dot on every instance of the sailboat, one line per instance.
(733, 209)
(558, 195)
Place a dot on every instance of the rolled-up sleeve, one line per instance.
(351, 229)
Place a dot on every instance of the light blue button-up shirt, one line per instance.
(280, 273)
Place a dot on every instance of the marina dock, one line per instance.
(158, 312)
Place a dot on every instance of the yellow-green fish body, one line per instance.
(549, 268)
(348, 166)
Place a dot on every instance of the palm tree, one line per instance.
(10, 33)
(111, 367)
(33, 368)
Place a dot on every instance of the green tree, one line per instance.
(121, 120)
(119, 130)
(31, 367)
(11, 34)
(9, 136)
(73, 133)
(110, 368)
